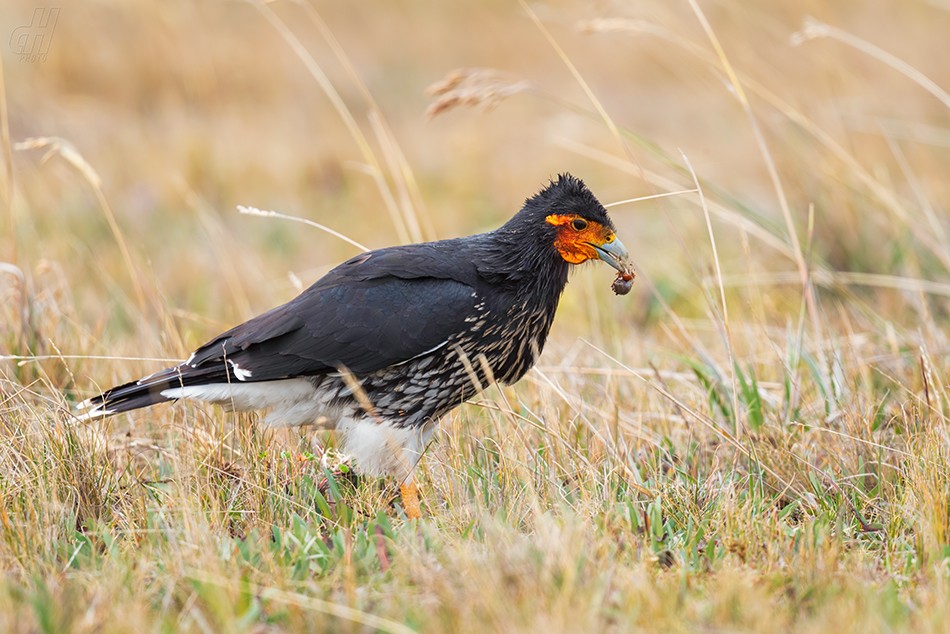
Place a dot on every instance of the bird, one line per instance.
(391, 340)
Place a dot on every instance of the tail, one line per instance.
(144, 392)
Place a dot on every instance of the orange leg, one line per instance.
(410, 499)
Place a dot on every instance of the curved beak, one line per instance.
(614, 254)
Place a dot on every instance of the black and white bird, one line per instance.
(389, 341)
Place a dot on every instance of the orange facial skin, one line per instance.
(576, 237)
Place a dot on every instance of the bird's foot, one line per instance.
(410, 500)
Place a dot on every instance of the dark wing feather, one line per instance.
(376, 310)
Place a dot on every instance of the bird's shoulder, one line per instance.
(444, 259)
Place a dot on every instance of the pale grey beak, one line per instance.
(614, 254)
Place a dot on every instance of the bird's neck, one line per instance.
(528, 267)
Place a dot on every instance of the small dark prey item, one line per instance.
(623, 282)
(388, 342)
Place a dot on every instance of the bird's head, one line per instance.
(574, 223)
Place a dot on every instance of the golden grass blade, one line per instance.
(254, 211)
(814, 29)
(8, 182)
(607, 119)
(339, 105)
(638, 199)
(68, 152)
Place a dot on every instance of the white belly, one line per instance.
(378, 448)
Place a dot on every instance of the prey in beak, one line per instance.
(615, 254)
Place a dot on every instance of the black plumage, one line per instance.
(399, 336)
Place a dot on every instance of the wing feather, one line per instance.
(374, 311)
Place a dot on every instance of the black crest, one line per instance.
(567, 195)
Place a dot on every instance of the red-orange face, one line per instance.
(579, 240)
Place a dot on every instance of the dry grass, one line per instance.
(756, 439)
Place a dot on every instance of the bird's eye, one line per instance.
(579, 224)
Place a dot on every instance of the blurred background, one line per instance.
(754, 439)
(184, 110)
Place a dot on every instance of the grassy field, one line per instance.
(755, 439)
